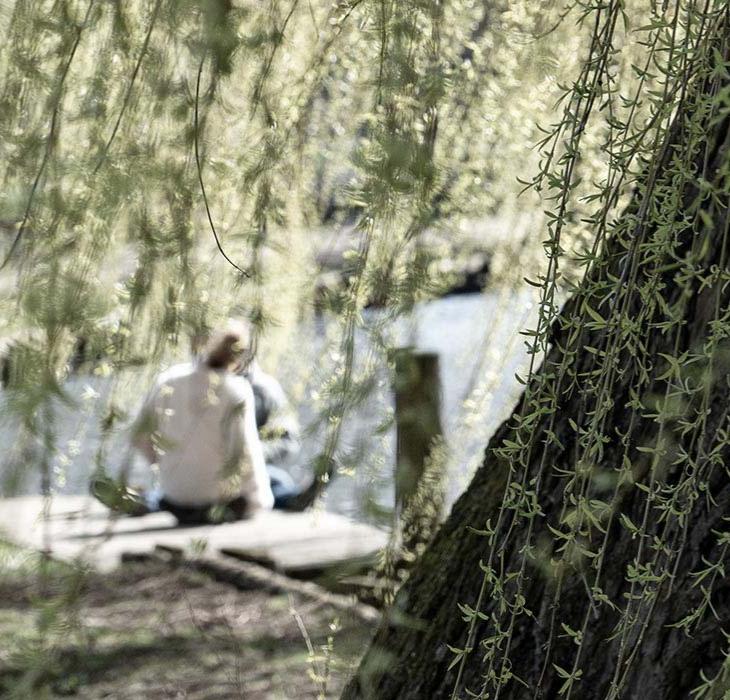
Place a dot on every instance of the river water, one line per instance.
(480, 350)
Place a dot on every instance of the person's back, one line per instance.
(198, 417)
(198, 425)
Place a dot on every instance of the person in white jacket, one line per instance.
(198, 425)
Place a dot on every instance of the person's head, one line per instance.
(230, 347)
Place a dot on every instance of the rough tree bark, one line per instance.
(409, 657)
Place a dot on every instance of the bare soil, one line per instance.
(154, 631)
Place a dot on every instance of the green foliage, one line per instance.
(167, 164)
(144, 143)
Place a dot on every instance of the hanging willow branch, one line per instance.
(198, 165)
(128, 93)
(50, 139)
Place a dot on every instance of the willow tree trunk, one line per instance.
(620, 608)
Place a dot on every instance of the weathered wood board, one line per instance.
(81, 529)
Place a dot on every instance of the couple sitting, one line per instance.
(200, 425)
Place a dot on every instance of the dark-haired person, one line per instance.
(278, 429)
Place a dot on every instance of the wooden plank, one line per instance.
(315, 557)
(80, 528)
(417, 417)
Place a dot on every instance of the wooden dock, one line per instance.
(80, 529)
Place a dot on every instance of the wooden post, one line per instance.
(418, 425)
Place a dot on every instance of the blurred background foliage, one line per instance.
(168, 164)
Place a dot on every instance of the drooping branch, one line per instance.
(199, 167)
(50, 139)
(130, 87)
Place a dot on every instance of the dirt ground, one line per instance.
(155, 631)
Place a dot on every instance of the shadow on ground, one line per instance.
(153, 631)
